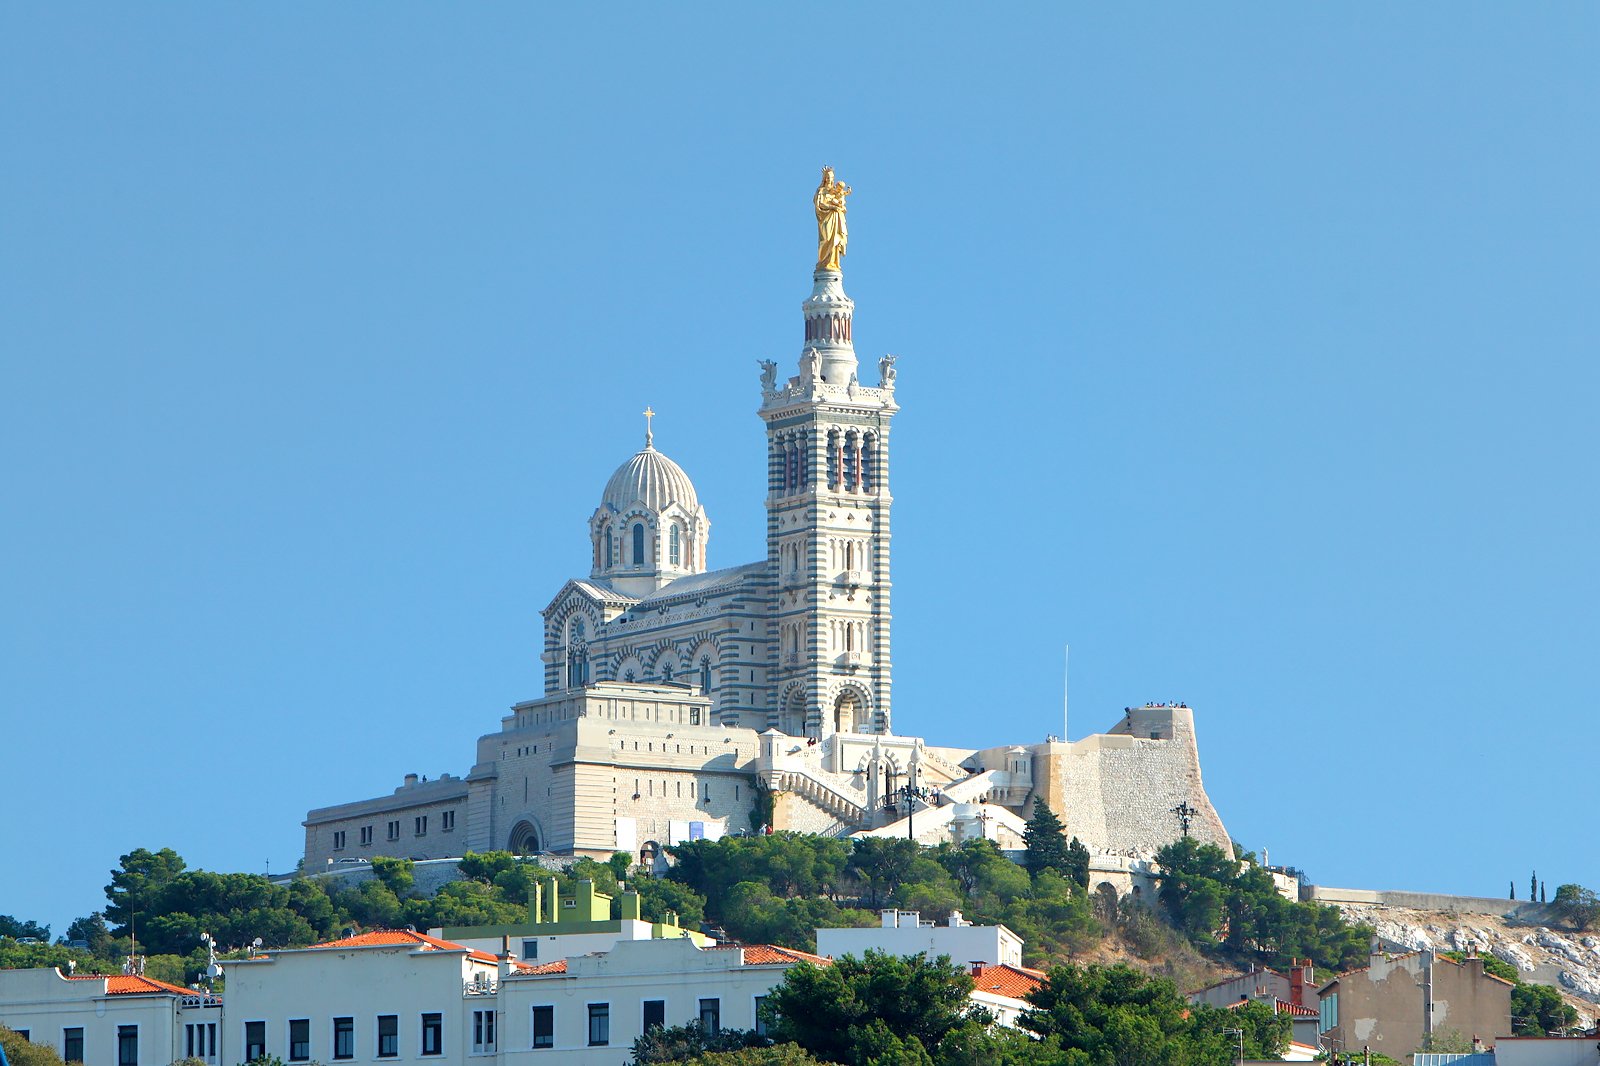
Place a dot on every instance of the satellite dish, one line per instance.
(256, 943)
(213, 971)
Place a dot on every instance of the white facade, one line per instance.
(905, 933)
(120, 1020)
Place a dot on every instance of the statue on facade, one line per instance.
(832, 235)
(769, 374)
(886, 372)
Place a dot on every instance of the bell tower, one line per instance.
(828, 503)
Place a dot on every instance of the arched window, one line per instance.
(638, 544)
(673, 545)
(705, 675)
(605, 550)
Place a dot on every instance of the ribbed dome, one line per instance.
(651, 479)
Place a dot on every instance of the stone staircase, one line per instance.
(810, 786)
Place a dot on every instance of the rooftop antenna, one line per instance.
(1066, 684)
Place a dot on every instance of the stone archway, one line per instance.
(1105, 900)
(792, 717)
(848, 711)
(525, 839)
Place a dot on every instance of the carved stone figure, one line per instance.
(832, 234)
(769, 374)
(886, 372)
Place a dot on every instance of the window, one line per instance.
(366, 835)
(544, 1027)
(299, 1040)
(422, 825)
(128, 1044)
(530, 948)
(711, 1015)
(394, 830)
(388, 1036)
(255, 1041)
(447, 821)
(605, 552)
(655, 1014)
(483, 1031)
(72, 1044)
(599, 1024)
(199, 1040)
(344, 1038)
(672, 545)
(638, 544)
(761, 1021)
(705, 675)
(338, 840)
(433, 1034)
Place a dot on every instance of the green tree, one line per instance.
(1044, 837)
(134, 884)
(687, 1043)
(91, 929)
(397, 875)
(775, 1055)
(1077, 867)
(1579, 907)
(882, 864)
(20, 1052)
(877, 1007)
(17, 928)
(658, 895)
(1539, 1010)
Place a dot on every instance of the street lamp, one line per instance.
(1240, 1034)
(907, 795)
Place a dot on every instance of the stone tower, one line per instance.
(828, 499)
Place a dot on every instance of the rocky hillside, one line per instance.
(1567, 961)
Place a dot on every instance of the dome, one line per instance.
(651, 479)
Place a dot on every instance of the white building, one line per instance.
(117, 1020)
(375, 998)
(589, 1009)
(905, 933)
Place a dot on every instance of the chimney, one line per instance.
(505, 945)
(889, 919)
(976, 967)
(411, 779)
(1297, 983)
(630, 906)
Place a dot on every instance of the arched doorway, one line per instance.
(1105, 901)
(847, 712)
(792, 719)
(525, 839)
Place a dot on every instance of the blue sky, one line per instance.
(1251, 350)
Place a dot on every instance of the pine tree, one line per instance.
(1533, 887)
(1046, 841)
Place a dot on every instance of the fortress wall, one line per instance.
(1424, 901)
(1118, 789)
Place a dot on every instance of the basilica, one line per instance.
(682, 701)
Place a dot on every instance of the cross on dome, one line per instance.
(649, 437)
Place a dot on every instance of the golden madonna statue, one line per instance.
(832, 236)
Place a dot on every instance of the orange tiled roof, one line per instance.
(378, 938)
(1004, 980)
(131, 984)
(771, 954)
(559, 966)
(1280, 1007)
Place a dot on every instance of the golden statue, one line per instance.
(832, 236)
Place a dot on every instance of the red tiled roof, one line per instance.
(559, 966)
(1280, 1007)
(379, 938)
(1003, 980)
(129, 984)
(772, 955)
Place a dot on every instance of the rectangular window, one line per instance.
(255, 1041)
(422, 825)
(599, 1024)
(711, 1015)
(530, 949)
(299, 1040)
(544, 1027)
(388, 1036)
(447, 821)
(433, 1034)
(72, 1044)
(366, 834)
(655, 1014)
(127, 1045)
(338, 840)
(483, 1031)
(344, 1038)
(211, 1042)
(201, 1041)
(761, 1021)
(394, 830)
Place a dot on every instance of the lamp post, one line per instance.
(907, 795)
